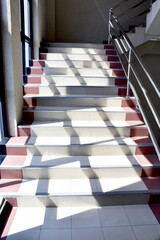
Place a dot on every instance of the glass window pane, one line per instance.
(1, 123)
(27, 17)
(27, 53)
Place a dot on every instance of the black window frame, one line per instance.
(25, 38)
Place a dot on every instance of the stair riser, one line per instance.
(77, 201)
(76, 71)
(74, 132)
(53, 90)
(70, 173)
(80, 116)
(75, 50)
(79, 45)
(85, 150)
(80, 57)
(95, 81)
(77, 64)
(76, 102)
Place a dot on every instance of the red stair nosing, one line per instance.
(11, 174)
(31, 90)
(121, 82)
(144, 150)
(118, 73)
(116, 65)
(30, 102)
(108, 47)
(148, 159)
(35, 80)
(38, 71)
(111, 52)
(113, 58)
(43, 56)
(38, 63)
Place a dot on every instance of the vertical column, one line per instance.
(12, 63)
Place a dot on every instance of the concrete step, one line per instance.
(77, 80)
(78, 101)
(87, 146)
(75, 63)
(80, 192)
(52, 90)
(78, 50)
(77, 45)
(80, 57)
(127, 116)
(81, 129)
(75, 71)
(76, 167)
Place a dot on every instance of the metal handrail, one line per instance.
(113, 18)
(138, 58)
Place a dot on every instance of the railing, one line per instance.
(115, 35)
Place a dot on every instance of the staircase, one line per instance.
(81, 142)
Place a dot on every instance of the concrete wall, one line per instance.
(50, 20)
(78, 20)
(39, 25)
(11, 51)
(83, 20)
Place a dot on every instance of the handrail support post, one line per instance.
(109, 26)
(129, 72)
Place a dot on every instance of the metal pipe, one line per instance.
(138, 58)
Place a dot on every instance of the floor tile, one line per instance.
(140, 215)
(118, 233)
(87, 234)
(83, 217)
(113, 216)
(57, 218)
(27, 219)
(57, 234)
(151, 232)
(31, 234)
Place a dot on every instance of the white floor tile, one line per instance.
(27, 219)
(57, 234)
(57, 218)
(140, 215)
(121, 233)
(113, 216)
(83, 217)
(87, 234)
(31, 234)
(150, 232)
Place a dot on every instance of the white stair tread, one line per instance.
(77, 96)
(66, 141)
(78, 186)
(79, 124)
(83, 109)
(117, 161)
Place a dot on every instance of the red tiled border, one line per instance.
(8, 224)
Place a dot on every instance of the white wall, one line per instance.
(12, 63)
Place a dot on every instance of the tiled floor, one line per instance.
(130, 222)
